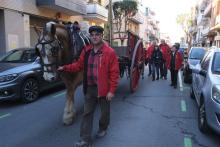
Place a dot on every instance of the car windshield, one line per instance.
(20, 56)
(216, 63)
(197, 53)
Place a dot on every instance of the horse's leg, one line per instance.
(69, 110)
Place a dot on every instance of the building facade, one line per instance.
(206, 30)
(18, 18)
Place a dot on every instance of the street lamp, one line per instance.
(110, 21)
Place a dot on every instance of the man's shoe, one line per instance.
(175, 86)
(101, 133)
(171, 85)
(82, 143)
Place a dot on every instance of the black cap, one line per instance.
(98, 29)
(177, 44)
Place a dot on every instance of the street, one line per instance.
(156, 115)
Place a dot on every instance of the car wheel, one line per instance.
(29, 90)
(202, 122)
(192, 95)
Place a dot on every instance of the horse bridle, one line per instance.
(54, 51)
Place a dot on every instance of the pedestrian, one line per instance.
(101, 75)
(149, 52)
(165, 51)
(174, 63)
(157, 60)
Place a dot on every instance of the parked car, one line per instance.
(206, 90)
(194, 56)
(21, 75)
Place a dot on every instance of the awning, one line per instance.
(216, 27)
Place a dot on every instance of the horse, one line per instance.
(57, 46)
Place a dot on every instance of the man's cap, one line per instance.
(177, 44)
(98, 29)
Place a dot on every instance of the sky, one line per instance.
(166, 13)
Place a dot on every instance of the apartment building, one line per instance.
(153, 31)
(134, 24)
(207, 27)
(97, 13)
(17, 19)
(215, 21)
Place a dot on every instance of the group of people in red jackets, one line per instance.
(162, 57)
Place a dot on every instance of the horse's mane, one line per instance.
(72, 42)
(65, 56)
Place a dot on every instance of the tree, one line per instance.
(123, 11)
(185, 20)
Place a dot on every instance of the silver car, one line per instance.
(194, 57)
(21, 76)
(206, 90)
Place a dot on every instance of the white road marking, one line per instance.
(5, 115)
(59, 94)
(180, 81)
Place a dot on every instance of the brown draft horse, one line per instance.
(57, 47)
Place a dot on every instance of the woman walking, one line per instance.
(157, 60)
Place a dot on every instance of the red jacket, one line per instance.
(178, 61)
(108, 69)
(149, 52)
(165, 50)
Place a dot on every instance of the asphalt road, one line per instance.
(156, 115)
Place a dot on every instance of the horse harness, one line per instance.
(77, 42)
(54, 51)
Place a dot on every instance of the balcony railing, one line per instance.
(205, 31)
(72, 7)
(137, 18)
(200, 19)
(96, 11)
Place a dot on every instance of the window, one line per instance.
(197, 53)
(20, 56)
(216, 63)
(205, 61)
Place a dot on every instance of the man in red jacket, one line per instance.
(148, 54)
(101, 75)
(165, 51)
(174, 63)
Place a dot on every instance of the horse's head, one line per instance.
(47, 48)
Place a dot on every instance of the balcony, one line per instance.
(217, 19)
(96, 12)
(71, 7)
(137, 19)
(205, 31)
(200, 19)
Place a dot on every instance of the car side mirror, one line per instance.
(203, 72)
(196, 69)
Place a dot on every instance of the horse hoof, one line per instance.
(67, 123)
(69, 119)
